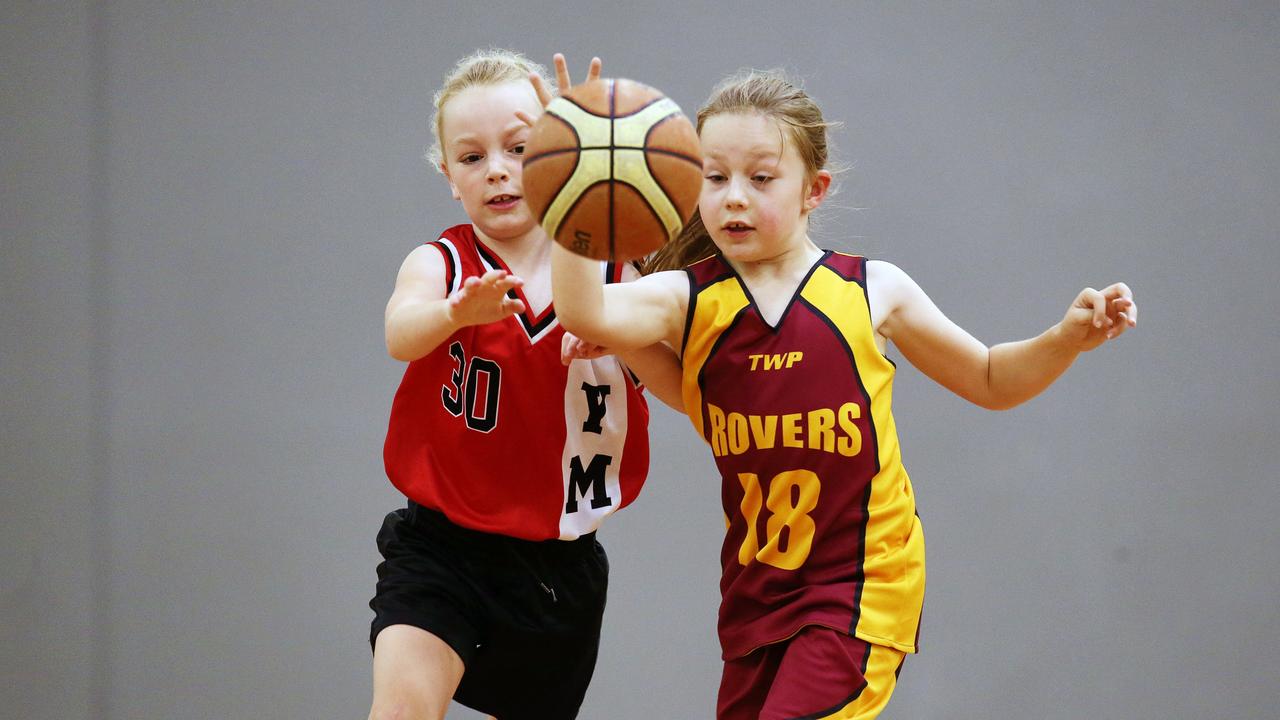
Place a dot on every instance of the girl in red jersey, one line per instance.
(784, 375)
(493, 586)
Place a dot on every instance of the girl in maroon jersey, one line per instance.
(782, 346)
(492, 587)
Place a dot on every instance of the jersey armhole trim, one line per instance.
(688, 315)
(452, 265)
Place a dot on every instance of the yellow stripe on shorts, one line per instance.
(882, 677)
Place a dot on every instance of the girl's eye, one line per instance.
(469, 158)
(714, 177)
(518, 149)
(760, 179)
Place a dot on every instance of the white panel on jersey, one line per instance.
(457, 265)
(586, 445)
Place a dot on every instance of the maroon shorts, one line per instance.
(817, 673)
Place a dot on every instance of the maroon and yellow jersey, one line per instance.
(822, 525)
(492, 430)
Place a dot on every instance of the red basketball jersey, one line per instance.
(821, 515)
(492, 430)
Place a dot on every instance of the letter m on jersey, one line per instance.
(592, 480)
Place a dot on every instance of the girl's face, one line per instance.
(755, 194)
(483, 145)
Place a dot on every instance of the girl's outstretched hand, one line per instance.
(484, 299)
(546, 95)
(562, 78)
(1097, 316)
(573, 348)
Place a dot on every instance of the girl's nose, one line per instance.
(498, 171)
(735, 198)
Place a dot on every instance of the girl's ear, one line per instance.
(817, 192)
(444, 170)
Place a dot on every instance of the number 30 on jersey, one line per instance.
(472, 390)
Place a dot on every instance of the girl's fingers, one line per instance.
(1121, 302)
(562, 73)
(1131, 313)
(563, 82)
(1096, 303)
(1118, 290)
(569, 348)
(540, 88)
(1122, 324)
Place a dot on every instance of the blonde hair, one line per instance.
(770, 93)
(482, 67)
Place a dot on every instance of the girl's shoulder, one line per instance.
(883, 272)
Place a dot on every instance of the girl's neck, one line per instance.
(522, 254)
(792, 263)
(772, 282)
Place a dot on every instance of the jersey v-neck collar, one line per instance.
(774, 327)
(535, 327)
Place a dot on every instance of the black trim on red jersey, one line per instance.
(532, 325)
(542, 324)
(859, 570)
(450, 270)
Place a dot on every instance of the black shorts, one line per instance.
(524, 616)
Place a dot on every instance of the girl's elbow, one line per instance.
(1001, 402)
(996, 406)
(584, 327)
(399, 349)
(992, 401)
(395, 352)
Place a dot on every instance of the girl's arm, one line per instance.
(657, 366)
(620, 316)
(1007, 374)
(419, 316)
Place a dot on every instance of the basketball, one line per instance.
(612, 169)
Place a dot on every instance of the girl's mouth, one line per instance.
(737, 230)
(502, 202)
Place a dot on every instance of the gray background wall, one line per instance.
(204, 205)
